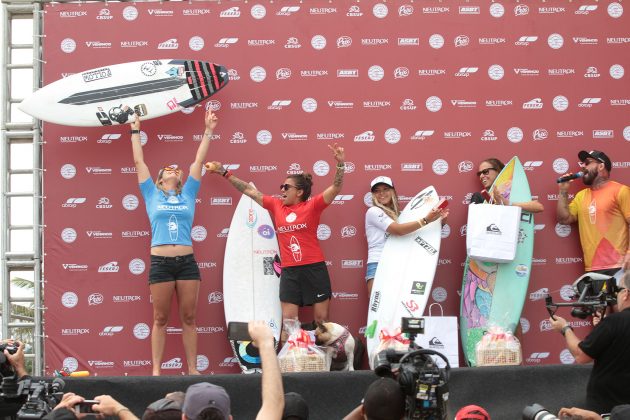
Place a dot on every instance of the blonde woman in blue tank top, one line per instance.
(170, 205)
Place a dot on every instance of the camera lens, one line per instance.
(537, 412)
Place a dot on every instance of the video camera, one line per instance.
(424, 384)
(594, 293)
(28, 399)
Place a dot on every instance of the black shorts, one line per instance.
(304, 285)
(165, 269)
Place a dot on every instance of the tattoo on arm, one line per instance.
(238, 183)
(338, 182)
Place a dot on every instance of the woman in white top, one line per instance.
(381, 220)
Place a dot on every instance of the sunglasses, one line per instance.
(285, 187)
(485, 171)
(588, 162)
(171, 169)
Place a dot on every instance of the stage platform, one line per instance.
(502, 391)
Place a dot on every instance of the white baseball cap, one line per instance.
(381, 180)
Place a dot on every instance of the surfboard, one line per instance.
(110, 95)
(250, 283)
(404, 275)
(494, 294)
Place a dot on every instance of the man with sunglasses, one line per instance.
(607, 346)
(170, 205)
(602, 212)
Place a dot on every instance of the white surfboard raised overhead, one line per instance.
(110, 95)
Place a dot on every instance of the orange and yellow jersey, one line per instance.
(602, 217)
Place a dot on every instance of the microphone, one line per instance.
(570, 177)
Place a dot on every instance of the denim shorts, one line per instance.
(370, 272)
(182, 267)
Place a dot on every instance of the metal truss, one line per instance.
(21, 238)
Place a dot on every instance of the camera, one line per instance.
(5, 367)
(424, 384)
(537, 412)
(28, 399)
(593, 293)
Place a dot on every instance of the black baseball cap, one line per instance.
(295, 406)
(598, 156)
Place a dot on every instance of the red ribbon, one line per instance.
(385, 336)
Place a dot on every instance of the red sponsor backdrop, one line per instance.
(421, 92)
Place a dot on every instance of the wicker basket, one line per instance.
(499, 352)
(301, 360)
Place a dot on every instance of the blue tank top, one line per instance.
(171, 216)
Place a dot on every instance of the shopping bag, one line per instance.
(440, 334)
(492, 232)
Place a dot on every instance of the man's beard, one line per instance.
(589, 177)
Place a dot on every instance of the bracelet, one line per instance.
(134, 132)
(227, 174)
(207, 134)
(425, 220)
(564, 329)
(122, 409)
(341, 166)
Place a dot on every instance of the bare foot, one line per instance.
(194, 372)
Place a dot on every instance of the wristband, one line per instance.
(134, 132)
(227, 174)
(424, 219)
(564, 329)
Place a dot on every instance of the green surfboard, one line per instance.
(494, 294)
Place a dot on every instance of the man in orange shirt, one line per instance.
(602, 212)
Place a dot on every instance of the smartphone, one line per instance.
(85, 407)
(442, 204)
(238, 331)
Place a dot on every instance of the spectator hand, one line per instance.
(16, 360)
(260, 333)
(578, 413)
(108, 406)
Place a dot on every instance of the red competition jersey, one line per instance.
(296, 227)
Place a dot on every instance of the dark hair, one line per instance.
(496, 163)
(304, 182)
(162, 415)
(384, 400)
(210, 413)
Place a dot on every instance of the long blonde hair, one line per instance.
(392, 209)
